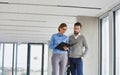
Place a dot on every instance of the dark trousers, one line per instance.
(76, 66)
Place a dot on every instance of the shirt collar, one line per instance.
(60, 34)
(76, 36)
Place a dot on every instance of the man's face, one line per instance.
(77, 30)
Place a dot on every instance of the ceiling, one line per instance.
(40, 18)
(60, 7)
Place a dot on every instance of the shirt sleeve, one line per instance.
(52, 43)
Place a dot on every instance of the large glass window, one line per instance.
(117, 22)
(105, 46)
(46, 59)
(1, 56)
(22, 59)
(35, 59)
(8, 59)
(14, 59)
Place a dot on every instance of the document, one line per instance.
(62, 44)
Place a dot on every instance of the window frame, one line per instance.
(114, 20)
(112, 39)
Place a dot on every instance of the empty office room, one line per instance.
(27, 28)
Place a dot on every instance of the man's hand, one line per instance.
(81, 58)
(65, 48)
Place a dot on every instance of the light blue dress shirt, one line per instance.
(55, 40)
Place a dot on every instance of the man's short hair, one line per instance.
(78, 24)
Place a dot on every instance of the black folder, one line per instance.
(62, 44)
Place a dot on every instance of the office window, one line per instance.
(105, 46)
(117, 22)
(35, 59)
(14, 58)
(1, 54)
(46, 60)
(22, 59)
(8, 59)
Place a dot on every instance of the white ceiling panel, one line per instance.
(33, 24)
(47, 10)
(78, 7)
(37, 20)
(4, 0)
(81, 3)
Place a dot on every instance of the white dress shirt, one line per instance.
(76, 36)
